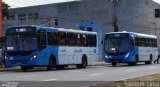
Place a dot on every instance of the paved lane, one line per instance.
(91, 73)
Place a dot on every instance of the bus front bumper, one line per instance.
(9, 63)
(119, 59)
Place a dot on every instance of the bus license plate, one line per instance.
(18, 63)
(116, 61)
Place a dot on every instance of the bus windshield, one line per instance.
(21, 42)
(117, 43)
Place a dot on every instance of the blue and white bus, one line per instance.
(32, 46)
(130, 47)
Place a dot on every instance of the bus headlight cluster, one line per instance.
(108, 56)
(127, 55)
(34, 56)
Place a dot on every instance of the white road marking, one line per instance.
(50, 80)
(96, 74)
(26, 76)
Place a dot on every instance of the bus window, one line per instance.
(94, 40)
(152, 42)
(90, 41)
(84, 40)
(52, 38)
(71, 39)
(62, 38)
(41, 39)
(78, 38)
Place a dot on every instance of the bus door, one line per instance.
(42, 45)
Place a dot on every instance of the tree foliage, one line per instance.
(5, 11)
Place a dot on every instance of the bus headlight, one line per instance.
(108, 56)
(11, 58)
(127, 55)
(34, 57)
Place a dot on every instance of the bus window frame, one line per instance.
(39, 46)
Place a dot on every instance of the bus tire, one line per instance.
(150, 60)
(114, 64)
(52, 63)
(84, 62)
(24, 68)
(135, 62)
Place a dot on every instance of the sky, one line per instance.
(157, 1)
(24, 3)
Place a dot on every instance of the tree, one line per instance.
(5, 12)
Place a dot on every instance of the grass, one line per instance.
(144, 81)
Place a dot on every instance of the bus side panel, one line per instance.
(132, 56)
(44, 55)
(78, 54)
(62, 55)
(70, 55)
(93, 55)
(146, 52)
(53, 51)
(155, 53)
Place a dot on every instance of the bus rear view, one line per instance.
(130, 47)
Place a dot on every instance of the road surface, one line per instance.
(88, 75)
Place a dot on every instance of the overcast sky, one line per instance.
(157, 1)
(24, 3)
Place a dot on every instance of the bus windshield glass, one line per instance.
(21, 40)
(117, 43)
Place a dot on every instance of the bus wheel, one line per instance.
(150, 61)
(23, 68)
(51, 64)
(114, 64)
(84, 63)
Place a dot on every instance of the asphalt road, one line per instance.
(87, 76)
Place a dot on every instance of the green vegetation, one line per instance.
(144, 81)
(5, 12)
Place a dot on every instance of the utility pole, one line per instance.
(115, 20)
(1, 18)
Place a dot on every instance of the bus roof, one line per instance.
(134, 34)
(57, 29)
(75, 31)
